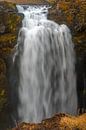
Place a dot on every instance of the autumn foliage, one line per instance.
(57, 122)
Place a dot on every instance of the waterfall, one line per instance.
(47, 81)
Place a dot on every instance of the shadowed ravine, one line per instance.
(46, 59)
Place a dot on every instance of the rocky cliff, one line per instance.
(10, 23)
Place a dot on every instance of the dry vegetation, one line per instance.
(28, 1)
(57, 122)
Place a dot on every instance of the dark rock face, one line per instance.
(10, 23)
(73, 13)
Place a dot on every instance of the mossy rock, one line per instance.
(7, 43)
(10, 21)
(3, 88)
(3, 84)
(2, 66)
(13, 21)
(7, 6)
(7, 40)
(72, 13)
(3, 94)
(52, 2)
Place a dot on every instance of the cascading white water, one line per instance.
(47, 81)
